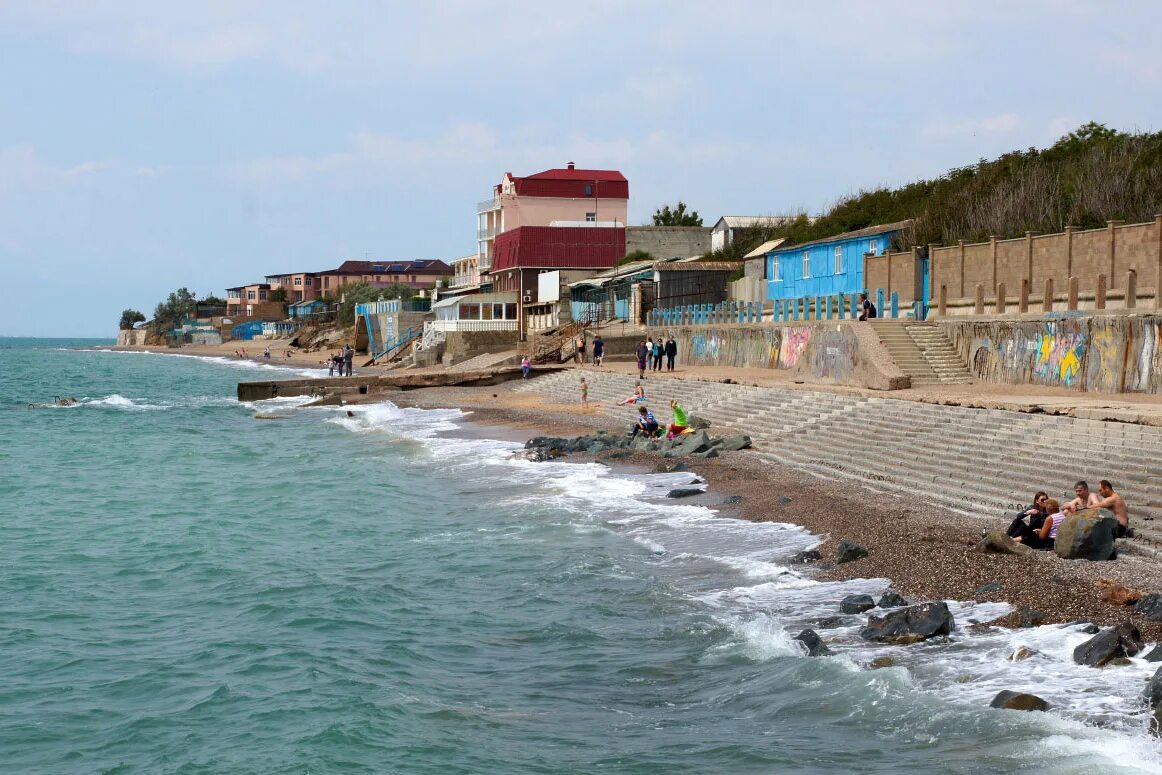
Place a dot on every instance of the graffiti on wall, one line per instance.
(705, 348)
(1107, 354)
(795, 341)
(1059, 356)
(834, 355)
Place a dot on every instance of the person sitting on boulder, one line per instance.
(1115, 503)
(1035, 514)
(646, 423)
(680, 424)
(639, 395)
(1047, 535)
(1084, 500)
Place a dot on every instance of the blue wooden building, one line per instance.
(829, 266)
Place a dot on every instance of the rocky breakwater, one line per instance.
(698, 444)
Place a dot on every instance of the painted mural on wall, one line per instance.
(825, 352)
(1108, 354)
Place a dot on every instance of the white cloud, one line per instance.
(1002, 123)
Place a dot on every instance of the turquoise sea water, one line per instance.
(185, 588)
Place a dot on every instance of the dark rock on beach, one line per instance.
(891, 600)
(814, 644)
(1124, 640)
(697, 423)
(910, 625)
(999, 543)
(856, 604)
(733, 443)
(848, 551)
(808, 556)
(1150, 607)
(1030, 617)
(684, 492)
(1155, 655)
(1087, 535)
(1153, 693)
(1018, 701)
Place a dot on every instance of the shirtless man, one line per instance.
(1115, 503)
(1084, 500)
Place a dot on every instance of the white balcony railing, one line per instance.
(471, 325)
(487, 205)
(488, 233)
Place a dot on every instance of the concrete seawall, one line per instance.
(375, 383)
(1111, 353)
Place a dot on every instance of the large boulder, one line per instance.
(998, 542)
(688, 443)
(1018, 701)
(1150, 607)
(856, 604)
(1087, 535)
(1153, 693)
(814, 644)
(1124, 640)
(849, 551)
(733, 443)
(910, 625)
(891, 599)
(697, 423)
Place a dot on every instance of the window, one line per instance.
(591, 217)
(309, 283)
(838, 260)
(775, 270)
(806, 263)
(298, 281)
(251, 295)
(487, 310)
(510, 311)
(262, 295)
(498, 312)
(588, 189)
(470, 312)
(873, 248)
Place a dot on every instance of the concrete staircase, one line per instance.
(922, 351)
(973, 462)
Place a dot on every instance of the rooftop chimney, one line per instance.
(571, 165)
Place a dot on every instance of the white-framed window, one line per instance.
(591, 217)
(838, 260)
(298, 281)
(775, 276)
(251, 295)
(873, 247)
(806, 264)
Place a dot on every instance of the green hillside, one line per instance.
(1086, 178)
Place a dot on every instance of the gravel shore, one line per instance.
(927, 553)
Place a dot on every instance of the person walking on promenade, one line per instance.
(526, 366)
(584, 393)
(671, 353)
(598, 350)
(1115, 503)
(643, 353)
(581, 349)
(649, 352)
(348, 357)
(657, 353)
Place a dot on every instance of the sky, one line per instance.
(147, 146)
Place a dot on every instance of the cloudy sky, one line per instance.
(146, 146)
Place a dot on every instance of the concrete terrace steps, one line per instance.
(922, 351)
(979, 462)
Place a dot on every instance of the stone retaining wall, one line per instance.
(843, 353)
(1100, 353)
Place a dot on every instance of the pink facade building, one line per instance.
(558, 197)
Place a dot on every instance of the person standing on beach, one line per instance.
(671, 352)
(649, 351)
(526, 366)
(266, 353)
(584, 393)
(598, 350)
(657, 364)
(643, 353)
(348, 357)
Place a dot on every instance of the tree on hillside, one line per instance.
(637, 255)
(278, 294)
(129, 317)
(213, 301)
(664, 216)
(178, 305)
(360, 293)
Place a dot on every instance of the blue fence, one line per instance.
(839, 307)
(247, 331)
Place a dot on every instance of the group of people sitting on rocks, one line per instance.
(1036, 526)
(648, 424)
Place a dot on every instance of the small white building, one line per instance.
(729, 226)
(477, 312)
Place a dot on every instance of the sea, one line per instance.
(193, 584)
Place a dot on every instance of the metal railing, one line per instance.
(488, 233)
(474, 325)
(484, 205)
